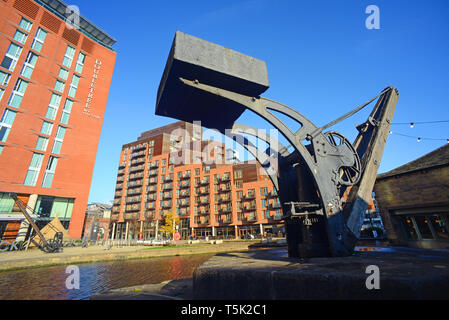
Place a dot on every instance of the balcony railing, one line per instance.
(152, 181)
(185, 194)
(184, 185)
(137, 168)
(273, 206)
(203, 182)
(223, 180)
(224, 200)
(184, 176)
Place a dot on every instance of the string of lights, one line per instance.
(413, 124)
(419, 139)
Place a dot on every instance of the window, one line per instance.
(4, 78)
(80, 62)
(59, 86)
(68, 57)
(59, 138)
(12, 55)
(17, 94)
(237, 174)
(63, 73)
(28, 66)
(50, 172)
(33, 170)
(53, 106)
(66, 111)
(6, 123)
(39, 40)
(197, 171)
(20, 36)
(1, 93)
(73, 86)
(25, 24)
(46, 128)
(41, 144)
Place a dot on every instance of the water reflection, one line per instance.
(49, 283)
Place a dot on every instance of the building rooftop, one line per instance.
(59, 8)
(435, 158)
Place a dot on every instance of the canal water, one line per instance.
(50, 283)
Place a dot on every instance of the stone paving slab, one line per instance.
(271, 275)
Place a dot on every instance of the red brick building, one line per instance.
(172, 168)
(54, 84)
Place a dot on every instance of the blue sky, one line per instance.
(321, 60)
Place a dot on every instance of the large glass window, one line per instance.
(62, 208)
(25, 24)
(20, 36)
(68, 57)
(409, 227)
(17, 94)
(12, 55)
(423, 226)
(33, 170)
(53, 106)
(46, 128)
(28, 66)
(51, 207)
(59, 86)
(6, 203)
(59, 138)
(41, 143)
(66, 111)
(6, 124)
(4, 78)
(73, 86)
(39, 39)
(63, 73)
(50, 172)
(80, 63)
(440, 225)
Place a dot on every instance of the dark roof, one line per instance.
(59, 8)
(435, 158)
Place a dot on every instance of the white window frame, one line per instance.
(45, 146)
(58, 140)
(27, 64)
(6, 125)
(14, 58)
(36, 39)
(65, 111)
(70, 58)
(34, 169)
(15, 92)
(6, 80)
(80, 64)
(30, 24)
(73, 87)
(50, 171)
(48, 133)
(55, 107)
(23, 38)
(56, 86)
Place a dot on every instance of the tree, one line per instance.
(169, 223)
